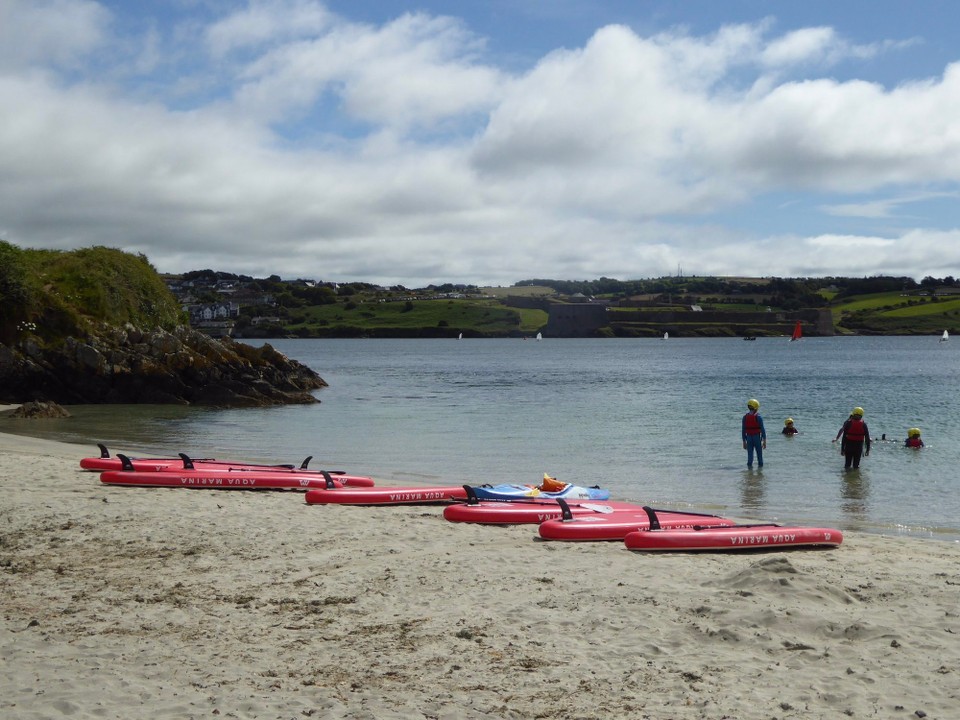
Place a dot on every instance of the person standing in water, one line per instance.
(753, 433)
(854, 439)
(788, 427)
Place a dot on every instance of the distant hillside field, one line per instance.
(521, 291)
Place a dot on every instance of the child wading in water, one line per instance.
(753, 432)
(913, 438)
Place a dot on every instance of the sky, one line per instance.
(486, 141)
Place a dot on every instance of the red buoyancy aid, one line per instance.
(914, 442)
(856, 430)
(751, 426)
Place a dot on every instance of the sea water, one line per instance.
(655, 421)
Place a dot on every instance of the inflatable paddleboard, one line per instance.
(417, 495)
(231, 479)
(616, 525)
(526, 492)
(185, 464)
(736, 537)
(518, 512)
(105, 461)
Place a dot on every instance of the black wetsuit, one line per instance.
(856, 439)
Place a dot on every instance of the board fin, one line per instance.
(652, 517)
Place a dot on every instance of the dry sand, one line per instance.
(137, 603)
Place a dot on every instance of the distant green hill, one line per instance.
(51, 294)
(414, 318)
(898, 313)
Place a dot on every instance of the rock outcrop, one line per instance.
(35, 410)
(127, 365)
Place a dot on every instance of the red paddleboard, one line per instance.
(231, 479)
(418, 495)
(185, 463)
(616, 525)
(517, 512)
(736, 537)
(97, 464)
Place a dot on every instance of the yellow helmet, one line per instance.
(913, 432)
(753, 404)
(788, 421)
(857, 411)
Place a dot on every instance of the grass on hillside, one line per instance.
(520, 291)
(64, 288)
(941, 307)
(873, 301)
(895, 304)
(895, 313)
(446, 316)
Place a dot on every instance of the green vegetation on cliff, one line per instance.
(98, 325)
(52, 294)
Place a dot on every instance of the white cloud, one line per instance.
(266, 23)
(425, 161)
(416, 70)
(800, 46)
(885, 207)
(54, 32)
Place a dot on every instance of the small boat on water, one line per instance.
(945, 336)
(797, 332)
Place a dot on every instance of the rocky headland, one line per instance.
(130, 365)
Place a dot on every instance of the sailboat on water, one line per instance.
(797, 332)
(945, 336)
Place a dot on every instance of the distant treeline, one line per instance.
(784, 292)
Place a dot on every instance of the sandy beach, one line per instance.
(127, 603)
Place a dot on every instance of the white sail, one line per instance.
(945, 336)
(539, 336)
(666, 336)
